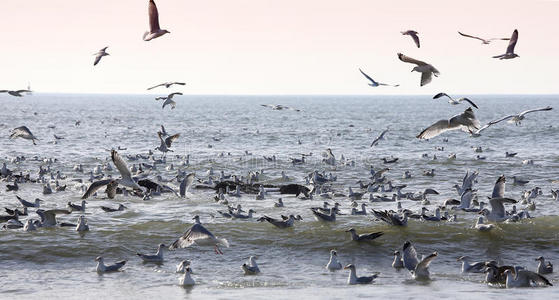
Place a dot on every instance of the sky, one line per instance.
(278, 47)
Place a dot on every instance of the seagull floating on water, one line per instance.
(353, 279)
(102, 268)
(251, 268)
(333, 263)
(154, 258)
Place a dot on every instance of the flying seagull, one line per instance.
(169, 100)
(510, 49)
(483, 41)
(154, 30)
(374, 83)
(466, 121)
(413, 35)
(380, 137)
(24, 133)
(454, 101)
(100, 54)
(186, 183)
(427, 71)
(166, 143)
(15, 93)
(198, 234)
(166, 84)
(513, 118)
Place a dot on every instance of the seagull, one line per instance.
(510, 49)
(82, 224)
(24, 133)
(102, 268)
(380, 137)
(325, 217)
(413, 35)
(198, 234)
(353, 279)
(483, 41)
(418, 269)
(48, 217)
(364, 237)
(279, 223)
(109, 209)
(544, 268)
(427, 71)
(125, 179)
(524, 278)
(100, 54)
(251, 268)
(465, 121)
(29, 225)
(517, 118)
(467, 267)
(398, 263)
(481, 226)
(454, 101)
(279, 107)
(16, 93)
(73, 207)
(186, 183)
(167, 84)
(333, 263)
(166, 143)
(25, 203)
(169, 100)
(497, 212)
(156, 258)
(187, 280)
(374, 83)
(154, 30)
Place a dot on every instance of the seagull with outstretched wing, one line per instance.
(454, 101)
(510, 49)
(465, 121)
(427, 70)
(374, 83)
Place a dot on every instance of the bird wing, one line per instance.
(170, 96)
(415, 38)
(121, 165)
(470, 101)
(410, 60)
(50, 215)
(171, 139)
(115, 266)
(436, 129)
(499, 188)
(196, 232)
(163, 130)
(471, 36)
(437, 96)
(466, 199)
(22, 130)
(532, 277)
(501, 119)
(368, 77)
(534, 110)
(153, 17)
(169, 102)
(424, 263)
(186, 183)
(94, 187)
(512, 42)
(151, 88)
(426, 77)
(111, 189)
(179, 83)
(97, 59)
(497, 206)
(409, 257)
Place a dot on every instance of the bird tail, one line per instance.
(223, 242)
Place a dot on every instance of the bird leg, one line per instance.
(217, 250)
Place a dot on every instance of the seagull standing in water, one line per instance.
(510, 49)
(413, 35)
(154, 30)
(454, 101)
(465, 121)
(483, 41)
(99, 55)
(198, 234)
(24, 133)
(374, 83)
(427, 70)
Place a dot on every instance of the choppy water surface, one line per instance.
(59, 263)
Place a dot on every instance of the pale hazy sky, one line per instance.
(278, 47)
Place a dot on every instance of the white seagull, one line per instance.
(510, 49)
(374, 83)
(198, 234)
(427, 71)
(413, 35)
(24, 133)
(100, 54)
(333, 263)
(454, 101)
(169, 100)
(102, 268)
(167, 84)
(465, 121)
(483, 41)
(418, 269)
(517, 118)
(154, 30)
